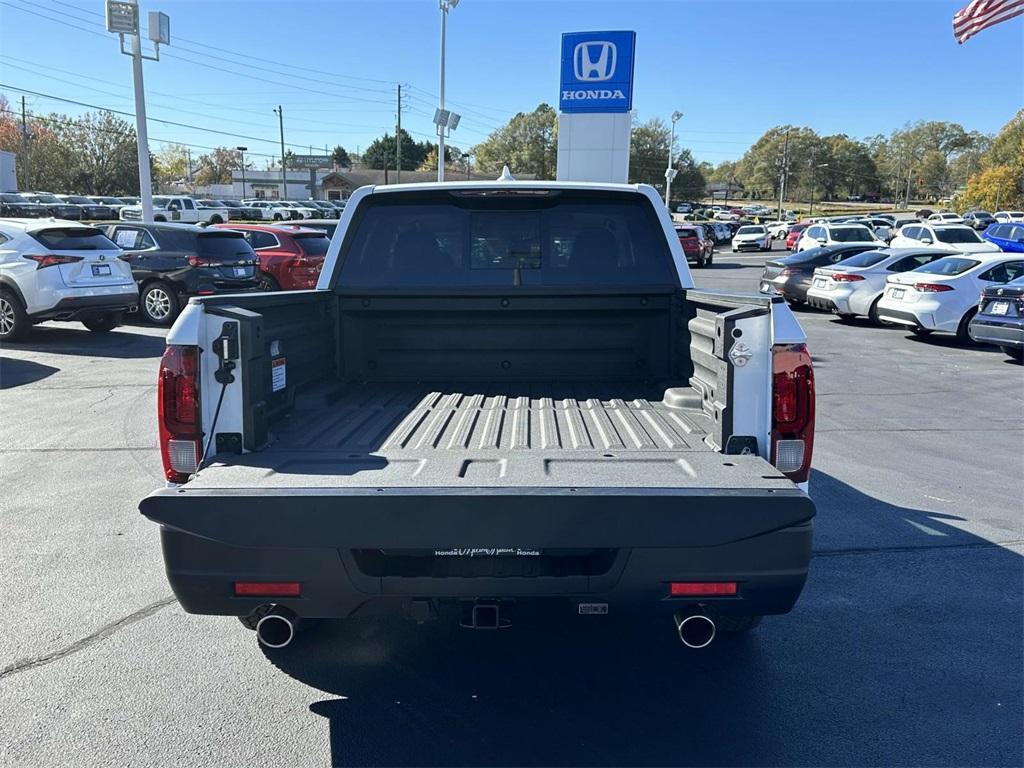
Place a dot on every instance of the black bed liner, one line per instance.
(492, 435)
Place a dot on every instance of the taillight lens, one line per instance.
(932, 287)
(789, 271)
(792, 410)
(178, 410)
(43, 260)
(842, 277)
(702, 588)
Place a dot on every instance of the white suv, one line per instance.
(835, 234)
(59, 270)
(956, 237)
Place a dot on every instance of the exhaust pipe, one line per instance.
(695, 630)
(277, 628)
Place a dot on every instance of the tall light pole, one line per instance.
(445, 6)
(284, 172)
(123, 18)
(670, 171)
(243, 150)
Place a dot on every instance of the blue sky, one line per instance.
(734, 68)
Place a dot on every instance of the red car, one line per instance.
(794, 235)
(698, 247)
(291, 257)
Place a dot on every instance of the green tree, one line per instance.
(381, 152)
(995, 188)
(690, 181)
(1008, 145)
(648, 152)
(340, 157)
(216, 166)
(170, 163)
(527, 144)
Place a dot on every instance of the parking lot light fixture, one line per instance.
(123, 19)
(445, 6)
(670, 171)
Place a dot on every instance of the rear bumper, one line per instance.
(326, 552)
(1006, 333)
(77, 307)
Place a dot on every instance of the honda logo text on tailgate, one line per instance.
(594, 61)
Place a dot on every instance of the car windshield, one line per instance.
(78, 199)
(949, 265)
(852, 234)
(10, 197)
(755, 230)
(74, 239)
(958, 235)
(161, 200)
(685, 232)
(49, 199)
(229, 204)
(865, 259)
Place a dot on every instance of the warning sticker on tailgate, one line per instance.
(277, 374)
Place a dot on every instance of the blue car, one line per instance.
(1009, 237)
(1000, 318)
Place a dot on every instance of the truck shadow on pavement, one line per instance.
(903, 653)
(64, 340)
(16, 373)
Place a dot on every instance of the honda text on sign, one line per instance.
(597, 71)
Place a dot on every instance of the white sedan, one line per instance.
(943, 295)
(1005, 216)
(778, 229)
(834, 234)
(854, 286)
(753, 237)
(957, 237)
(946, 217)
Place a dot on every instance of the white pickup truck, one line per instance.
(498, 393)
(179, 208)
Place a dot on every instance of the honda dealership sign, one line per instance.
(597, 72)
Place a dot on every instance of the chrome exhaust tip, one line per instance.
(277, 628)
(695, 630)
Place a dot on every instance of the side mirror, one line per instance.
(821, 240)
(926, 240)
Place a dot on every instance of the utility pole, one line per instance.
(284, 170)
(188, 171)
(468, 158)
(398, 139)
(785, 172)
(24, 148)
(141, 133)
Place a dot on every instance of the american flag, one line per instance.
(982, 14)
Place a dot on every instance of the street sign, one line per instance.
(310, 161)
(597, 71)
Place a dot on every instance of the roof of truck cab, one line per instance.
(568, 185)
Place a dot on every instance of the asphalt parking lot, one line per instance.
(906, 648)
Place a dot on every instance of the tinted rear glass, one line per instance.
(227, 245)
(313, 245)
(851, 234)
(528, 238)
(13, 198)
(957, 236)
(866, 259)
(951, 265)
(74, 239)
(751, 231)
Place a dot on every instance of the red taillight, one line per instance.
(702, 588)
(842, 277)
(932, 287)
(267, 589)
(51, 259)
(792, 410)
(178, 410)
(788, 271)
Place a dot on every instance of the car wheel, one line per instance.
(216, 220)
(159, 303)
(159, 218)
(795, 302)
(1016, 354)
(963, 331)
(711, 259)
(103, 323)
(267, 284)
(14, 322)
(277, 217)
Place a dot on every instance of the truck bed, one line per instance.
(496, 435)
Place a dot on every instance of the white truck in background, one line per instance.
(178, 208)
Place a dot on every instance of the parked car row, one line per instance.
(37, 205)
(101, 272)
(925, 287)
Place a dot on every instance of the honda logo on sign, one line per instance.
(594, 61)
